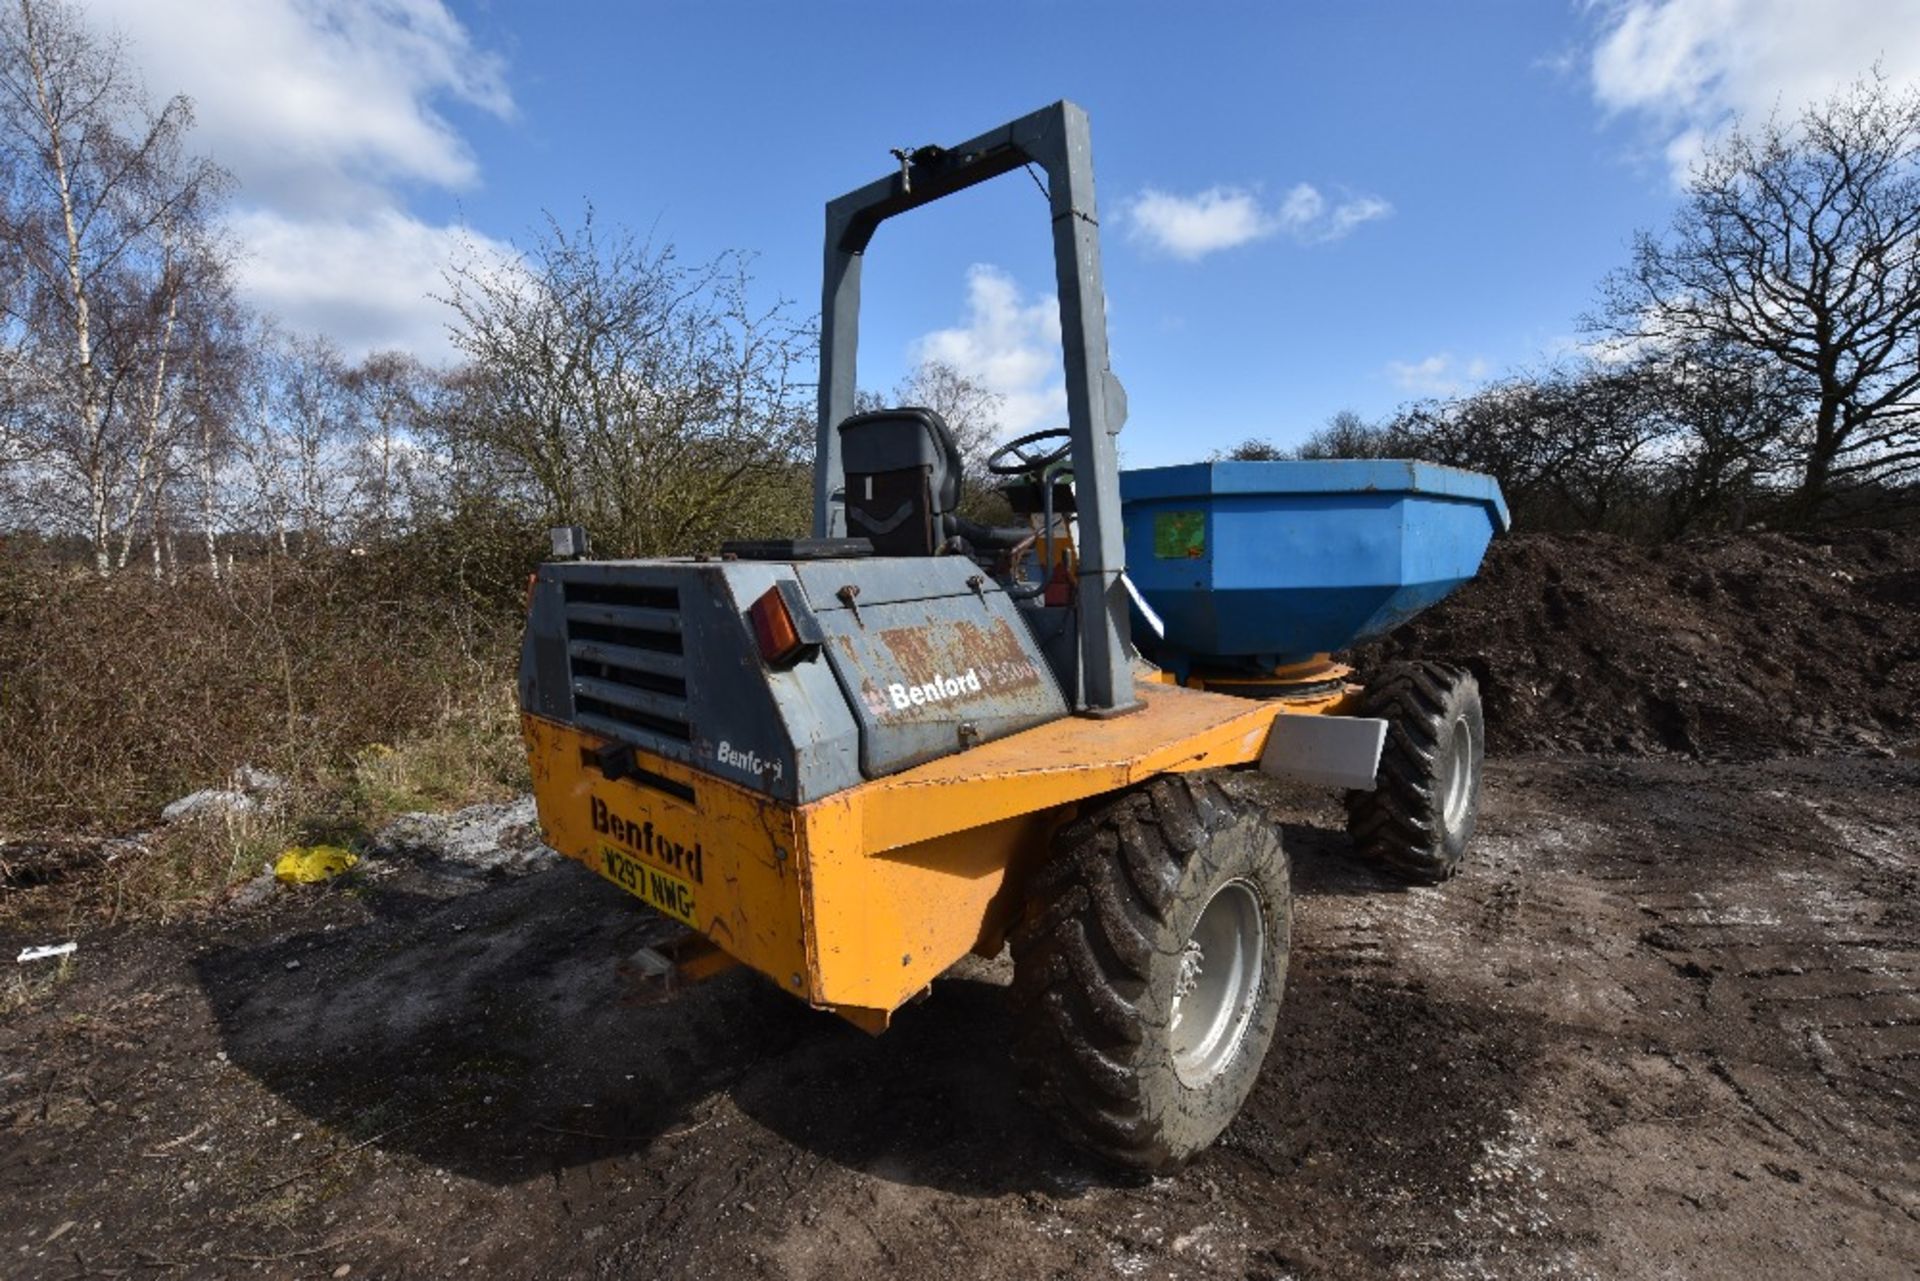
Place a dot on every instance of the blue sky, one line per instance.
(1305, 208)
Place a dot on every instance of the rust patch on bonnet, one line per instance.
(935, 673)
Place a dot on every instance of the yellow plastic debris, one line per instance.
(310, 864)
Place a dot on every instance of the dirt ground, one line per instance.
(1666, 1024)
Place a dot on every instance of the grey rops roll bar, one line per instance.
(1058, 141)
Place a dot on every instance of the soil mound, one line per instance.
(1736, 646)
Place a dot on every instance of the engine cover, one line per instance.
(920, 658)
(933, 656)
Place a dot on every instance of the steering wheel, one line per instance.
(1024, 455)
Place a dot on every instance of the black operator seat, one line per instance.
(903, 479)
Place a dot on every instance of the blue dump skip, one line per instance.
(1260, 564)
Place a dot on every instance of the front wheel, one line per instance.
(1149, 967)
(1419, 817)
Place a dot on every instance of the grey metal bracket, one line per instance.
(1058, 141)
(1325, 751)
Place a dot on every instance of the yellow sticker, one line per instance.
(659, 890)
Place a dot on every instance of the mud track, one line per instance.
(1665, 1024)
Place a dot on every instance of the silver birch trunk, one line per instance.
(89, 396)
(151, 436)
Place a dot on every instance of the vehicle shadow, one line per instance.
(497, 1032)
(1325, 866)
(504, 1033)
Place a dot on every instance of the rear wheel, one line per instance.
(1149, 967)
(1421, 814)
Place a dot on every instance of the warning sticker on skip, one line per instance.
(1179, 535)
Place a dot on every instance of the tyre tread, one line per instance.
(1398, 825)
(1080, 951)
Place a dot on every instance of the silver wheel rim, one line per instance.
(1456, 776)
(1218, 982)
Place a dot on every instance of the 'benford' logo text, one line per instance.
(642, 838)
(937, 690)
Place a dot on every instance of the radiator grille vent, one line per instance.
(624, 658)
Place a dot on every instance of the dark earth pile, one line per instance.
(1738, 646)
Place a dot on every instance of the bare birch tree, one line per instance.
(101, 200)
(388, 392)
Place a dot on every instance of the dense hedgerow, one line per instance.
(379, 670)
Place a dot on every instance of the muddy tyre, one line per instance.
(1420, 816)
(1149, 966)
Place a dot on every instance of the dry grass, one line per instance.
(120, 695)
(186, 865)
(27, 984)
(369, 691)
(180, 869)
(472, 754)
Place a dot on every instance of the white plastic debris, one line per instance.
(498, 840)
(211, 800)
(42, 953)
(257, 891)
(248, 790)
(249, 779)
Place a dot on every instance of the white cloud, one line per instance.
(1303, 206)
(1191, 227)
(1438, 375)
(367, 282)
(1351, 213)
(1009, 345)
(327, 114)
(1686, 68)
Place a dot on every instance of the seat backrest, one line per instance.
(903, 478)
